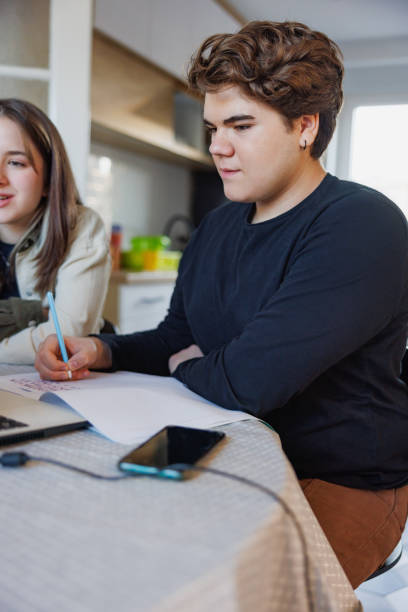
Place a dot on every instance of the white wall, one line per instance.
(165, 32)
(138, 192)
(376, 72)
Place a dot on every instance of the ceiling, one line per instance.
(342, 20)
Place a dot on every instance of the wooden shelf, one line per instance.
(132, 140)
(132, 105)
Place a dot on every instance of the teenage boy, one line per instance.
(292, 300)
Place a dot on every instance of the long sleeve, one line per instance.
(80, 290)
(17, 314)
(344, 286)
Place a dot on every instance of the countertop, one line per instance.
(154, 276)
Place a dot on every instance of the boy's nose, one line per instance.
(220, 145)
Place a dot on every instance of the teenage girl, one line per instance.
(49, 241)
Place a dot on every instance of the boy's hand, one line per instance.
(190, 352)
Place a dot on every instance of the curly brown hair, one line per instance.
(287, 65)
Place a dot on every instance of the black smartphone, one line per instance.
(170, 446)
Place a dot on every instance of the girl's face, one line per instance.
(21, 181)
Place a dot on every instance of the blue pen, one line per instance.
(58, 330)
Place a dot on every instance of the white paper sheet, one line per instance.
(125, 406)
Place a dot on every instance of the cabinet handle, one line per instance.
(149, 300)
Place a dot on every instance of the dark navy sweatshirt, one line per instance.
(302, 320)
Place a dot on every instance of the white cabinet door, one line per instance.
(166, 32)
(138, 307)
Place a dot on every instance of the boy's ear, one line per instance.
(308, 129)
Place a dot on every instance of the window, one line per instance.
(379, 142)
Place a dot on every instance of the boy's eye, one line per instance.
(210, 130)
(242, 128)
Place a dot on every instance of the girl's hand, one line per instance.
(84, 353)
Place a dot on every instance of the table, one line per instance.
(70, 543)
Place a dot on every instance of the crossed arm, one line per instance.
(344, 288)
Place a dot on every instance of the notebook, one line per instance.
(24, 419)
(126, 407)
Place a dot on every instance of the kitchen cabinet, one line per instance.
(44, 58)
(140, 53)
(165, 33)
(134, 106)
(138, 301)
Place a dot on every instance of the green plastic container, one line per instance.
(132, 260)
(144, 254)
(150, 243)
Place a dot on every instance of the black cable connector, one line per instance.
(18, 459)
(14, 459)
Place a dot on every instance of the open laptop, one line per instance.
(24, 419)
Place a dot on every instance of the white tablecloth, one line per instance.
(70, 543)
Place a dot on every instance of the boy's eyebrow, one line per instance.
(232, 119)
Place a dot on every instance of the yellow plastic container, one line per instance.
(168, 260)
(150, 260)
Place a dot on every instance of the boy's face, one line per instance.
(257, 156)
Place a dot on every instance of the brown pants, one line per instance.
(363, 527)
